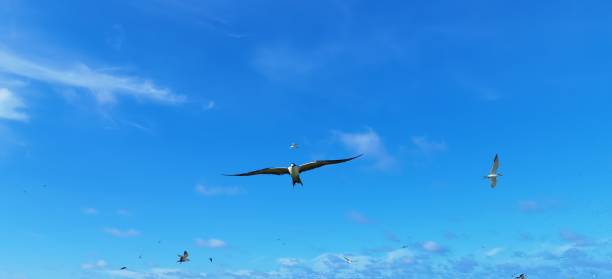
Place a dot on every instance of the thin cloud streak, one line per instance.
(211, 191)
(122, 233)
(11, 106)
(103, 85)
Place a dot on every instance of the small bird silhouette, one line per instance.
(294, 146)
(210, 259)
(347, 260)
(183, 258)
(123, 268)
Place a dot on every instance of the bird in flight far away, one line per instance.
(294, 146)
(347, 260)
(492, 176)
(123, 268)
(295, 170)
(183, 258)
(521, 276)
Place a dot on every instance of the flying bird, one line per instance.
(492, 176)
(183, 258)
(521, 276)
(294, 146)
(210, 259)
(295, 170)
(347, 260)
(123, 268)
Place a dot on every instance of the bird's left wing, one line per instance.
(277, 171)
(320, 163)
(495, 164)
(493, 182)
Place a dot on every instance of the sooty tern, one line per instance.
(295, 170)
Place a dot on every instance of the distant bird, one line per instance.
(294, 146)
(347, 260)
(404, 246)
(123, 268)
(492, 176)
(521, 276)
(295, 170)
(183, 258)
(210, 259)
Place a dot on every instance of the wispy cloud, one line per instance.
(11, 106)
(529, 206)
(122, 233)
(96, 264)
(358, 218)
(89, 211)
(210, 243)
(211, 191)
(404, 263)
(433, 247)
(123, 212)
(210, 105)
(367, 142)
(536, 206)
(493, 252)
(427, 146)
(104, 85)
(288, 261)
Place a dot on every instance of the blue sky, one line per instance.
(117, 120)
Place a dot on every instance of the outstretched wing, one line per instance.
(277, 171)
(495, 165)
(493, 182)
(316, 164)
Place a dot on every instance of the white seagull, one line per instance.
(295, 170)
(492, 176)
(347, 260)
(294, 146)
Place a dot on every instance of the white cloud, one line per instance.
(400, 255)
(432, 246)
(211, 191)
(105, 86)
(288, 261)
(122, 233)
(89, 211)
(210, 105)
(428, 146)
(358, 218)
(494, 252)
(210, 243)
(97, 264)
(369, 143)
(11, 106)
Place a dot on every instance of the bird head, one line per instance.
(293, 164)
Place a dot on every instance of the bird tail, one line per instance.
(297, 180)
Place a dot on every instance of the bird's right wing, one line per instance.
(493, 182)
(320, 163)
(495, 164)
(276, 171)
